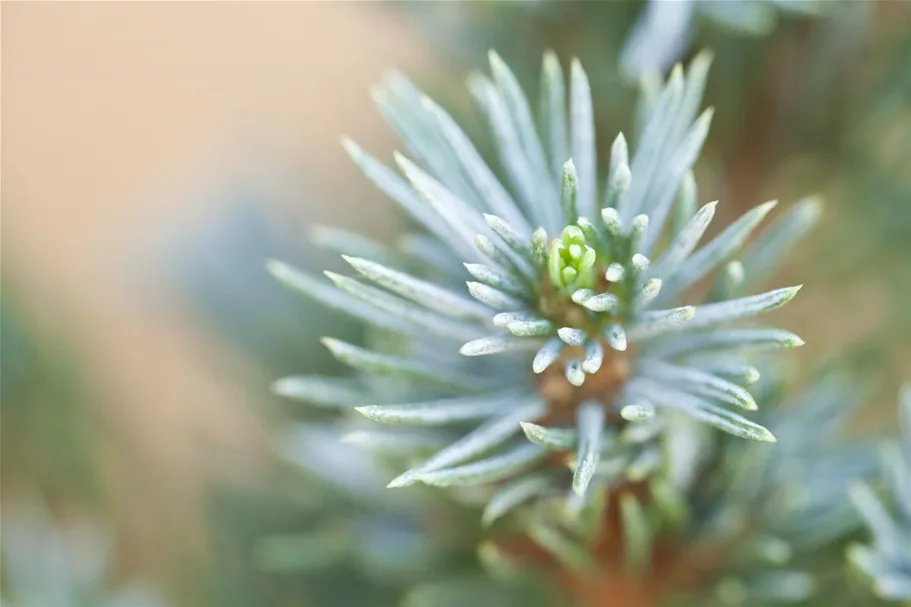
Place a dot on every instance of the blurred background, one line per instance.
(155, 154)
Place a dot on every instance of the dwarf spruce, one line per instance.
(565, 345)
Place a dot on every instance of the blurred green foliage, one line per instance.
(49, 429)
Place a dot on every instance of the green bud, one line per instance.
(571, 263)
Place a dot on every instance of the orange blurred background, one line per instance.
(114, 116)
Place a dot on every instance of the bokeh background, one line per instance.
(155, 154)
